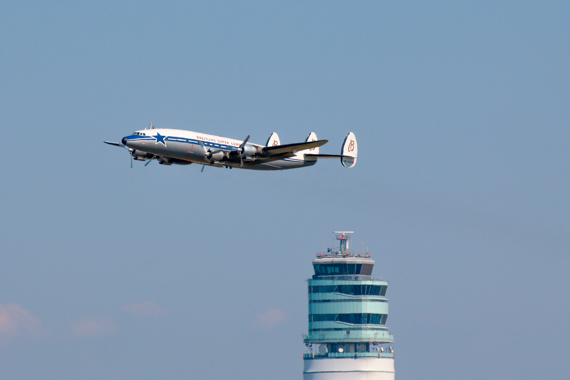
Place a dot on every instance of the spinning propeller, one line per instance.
(122, 146)
(149, 160)
(211, 155)
(240, 150)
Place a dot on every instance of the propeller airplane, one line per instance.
(180, 147)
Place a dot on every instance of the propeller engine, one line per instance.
(212, 155)
(216, 155)
(247, 151)
(140, 156)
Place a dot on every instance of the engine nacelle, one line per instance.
(164, 160)
(140, 156)
(249, 151)
(178, 161)
(169, 161)
(218, 156)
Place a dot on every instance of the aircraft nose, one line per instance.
(124, 141)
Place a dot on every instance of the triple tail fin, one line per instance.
(273, 140)
(349, 151)
(312, 137)
(347, 155)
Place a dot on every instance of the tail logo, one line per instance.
(312, 149)
(274, 143)
(351, 146)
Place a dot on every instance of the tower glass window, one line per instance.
(354, 318)
(354, 290)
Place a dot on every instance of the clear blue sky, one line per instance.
(460, 192)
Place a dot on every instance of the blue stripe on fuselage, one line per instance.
(135, 138)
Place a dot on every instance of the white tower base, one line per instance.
(349, 369)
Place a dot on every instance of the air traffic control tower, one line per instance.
(348, 338)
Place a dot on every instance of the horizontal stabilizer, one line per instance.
(291, 148)
(325, 155)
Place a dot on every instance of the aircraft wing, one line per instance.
(263, 160)
(276, 157)
(269, 151)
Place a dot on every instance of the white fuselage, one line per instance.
(192, 147)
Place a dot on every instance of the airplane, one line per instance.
(181, 147)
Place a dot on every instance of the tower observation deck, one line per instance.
(348, 309)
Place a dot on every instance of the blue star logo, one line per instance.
(159, 139)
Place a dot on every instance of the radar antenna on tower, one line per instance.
(344, 241)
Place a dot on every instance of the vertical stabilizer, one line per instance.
(273, 140)
(312, 137)
(349, 151)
